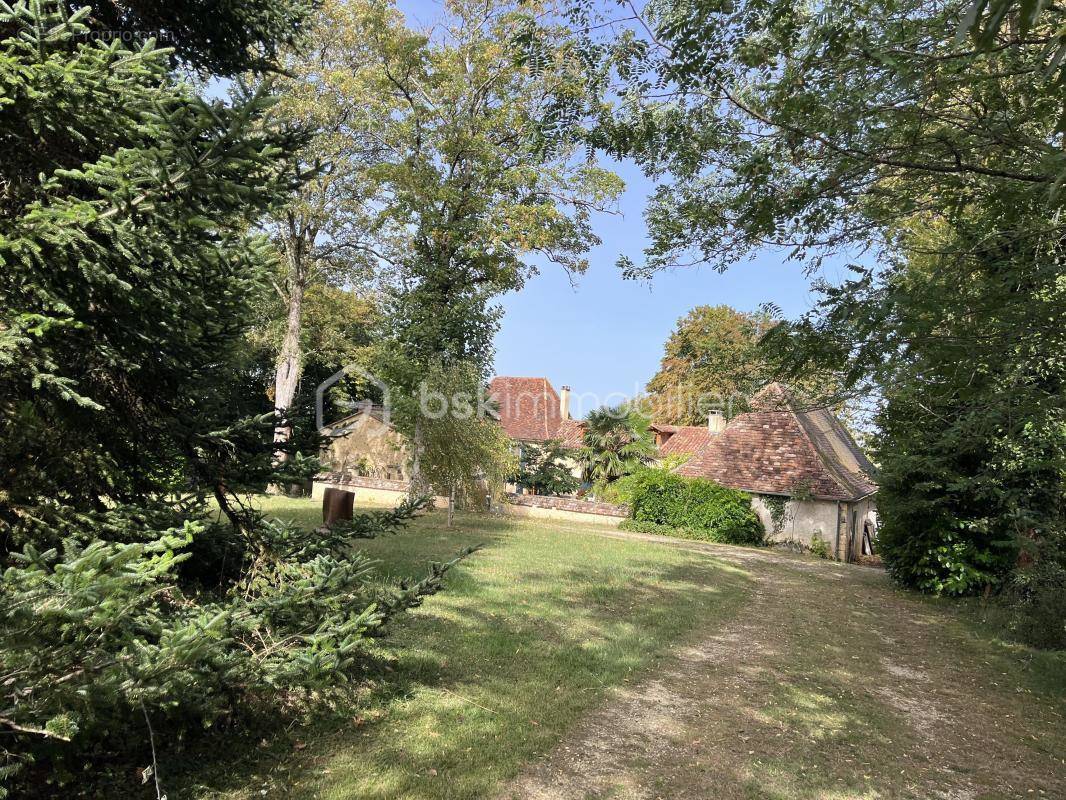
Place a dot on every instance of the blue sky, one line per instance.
(605, 335)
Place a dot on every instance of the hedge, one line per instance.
(695, 508)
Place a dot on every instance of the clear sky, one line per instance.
(603, 334)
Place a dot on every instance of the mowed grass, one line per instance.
(529, 634)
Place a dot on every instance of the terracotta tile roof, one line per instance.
(774, 450)
(528, 407)
(682, 439)
(571, 433)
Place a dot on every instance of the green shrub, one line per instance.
(942, 554)
(819, 547)
(621, 491)
(96, 635)
(542, 469)
(1035, 597)
(700, 508)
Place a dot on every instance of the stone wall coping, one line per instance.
(366, 482)
(575, 504)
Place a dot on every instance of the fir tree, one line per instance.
(128, 275)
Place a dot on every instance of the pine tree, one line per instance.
(128, 275)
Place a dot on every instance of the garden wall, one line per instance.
(569, 509)
(383, 491)
(376, 491)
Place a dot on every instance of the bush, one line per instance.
(542, 469)
(819, 547)
(697, 508)
(619, 492)
(1035, 596)
(942, 554)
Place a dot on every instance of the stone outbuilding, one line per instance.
(807, 476)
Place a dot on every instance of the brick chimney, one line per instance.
(564, 403)
(716, 422)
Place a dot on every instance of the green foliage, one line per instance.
(128, 286)
(127, 266)
(237, 37)
(936, 552)
(777, 505)
(481, 173)
(711, 361)
(617, 442)
(944, 163)
(819, 547)
(318, 318)
(460, 452)
(92, 636)
(984, 21)
(621, 491)
(972, 469)
(1035, 595)
(700, 507)
(542, 469)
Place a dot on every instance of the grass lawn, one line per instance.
(564, 665)
(529, 634)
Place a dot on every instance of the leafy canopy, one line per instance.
(543, 469)
(871, 127)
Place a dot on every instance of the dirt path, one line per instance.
(832, 685)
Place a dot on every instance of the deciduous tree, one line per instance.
(483, 175)
(322, 232)
(711, 361)
(543, 469)
(462, 453)
(864, 126)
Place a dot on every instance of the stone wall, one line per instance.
(804, 520)
(390, 492)
(572, 504)
(838, 524)
(377, 491)
(565, 509)
(368, 446)
(341, 479)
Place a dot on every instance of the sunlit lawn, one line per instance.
(530, 633)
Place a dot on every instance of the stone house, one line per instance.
(807, 476)
(364, 443)
(532, 412)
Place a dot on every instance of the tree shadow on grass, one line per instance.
(492, 672)
(826, 690)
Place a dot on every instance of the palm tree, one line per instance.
(617, 442)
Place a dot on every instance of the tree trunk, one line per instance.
(290, 359)
(451, 505)
(416, 487)
(287, 375)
